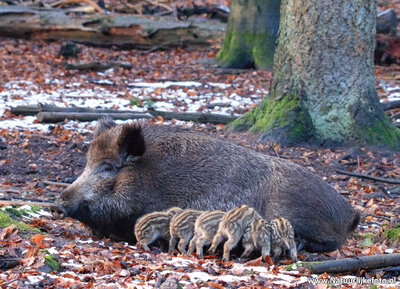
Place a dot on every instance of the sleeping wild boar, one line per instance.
(133, 170)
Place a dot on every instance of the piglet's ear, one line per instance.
(103, 124)
(131, 140)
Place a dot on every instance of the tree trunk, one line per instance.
(251, 34)
(322, 89)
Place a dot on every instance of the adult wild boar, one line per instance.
(132, 171)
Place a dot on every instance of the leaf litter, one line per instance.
(31, 153)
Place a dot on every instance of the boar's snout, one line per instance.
(58, 212)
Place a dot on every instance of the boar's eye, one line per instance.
(107, 168)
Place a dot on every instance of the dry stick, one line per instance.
(377, 216)
(388, 269)
(383, 180)
(350, 264)
(23, 203)
(390, 105)
(53, 117)
(97, 66)
(160, 5)
(194, 116)
(56, 184)
(385, 191)
(34, 109)
(40, 136)
(91, 3)
(10, 191)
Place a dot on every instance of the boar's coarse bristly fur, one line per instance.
(132, 171)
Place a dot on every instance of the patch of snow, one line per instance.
(88, 241)
(74, 95)
(219, 85)
(34, 280)
(164, 84)
(52, 250)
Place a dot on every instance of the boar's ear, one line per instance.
(131, 140)
(102, 125)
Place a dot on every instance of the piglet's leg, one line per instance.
(229, 245)
(192, 245)
(172, 243)
(218, 238)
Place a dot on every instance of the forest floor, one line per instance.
(63, 254)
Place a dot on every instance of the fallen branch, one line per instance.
(376, 216)
(50, 183)
(97, 66)
(165, 6)
(390, 105)
(23, 203)
(52, 117)
(91, 3)
(36, 108)
(214, 11)
(350, 264)
(383, 180)
(388, 269)
(195, 116)
(199, 117)
(10, 191)
(49, 113)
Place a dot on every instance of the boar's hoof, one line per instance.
(58, 212)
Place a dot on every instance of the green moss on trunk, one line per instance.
(380, 133)
(251, 34)
(277, 115)
(322, 87)
(247, 50)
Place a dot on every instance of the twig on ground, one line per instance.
(60, 184)
(389, 181)
(60, 4)
(376, 216)
(10, 191)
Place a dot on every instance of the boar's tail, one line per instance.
(317, 247)
(331, 245)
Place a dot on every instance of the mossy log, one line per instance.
(127, 31)
(350, 264)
